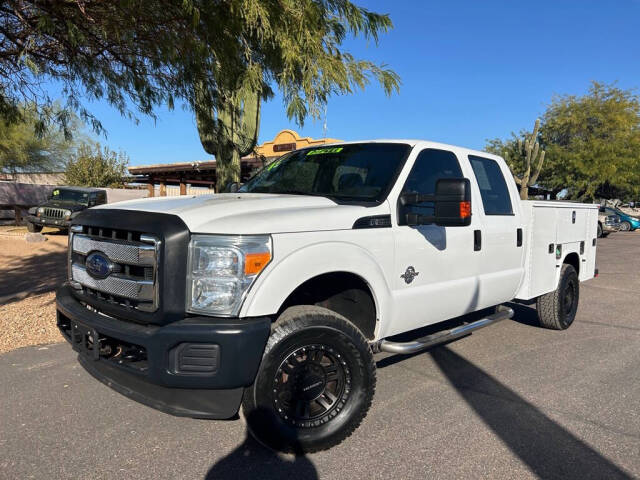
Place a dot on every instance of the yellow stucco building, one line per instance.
(287, 140)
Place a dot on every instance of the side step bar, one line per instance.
(502, 313)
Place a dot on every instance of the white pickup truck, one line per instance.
(277, 297)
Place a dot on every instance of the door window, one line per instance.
(430, 166)
(493, 189)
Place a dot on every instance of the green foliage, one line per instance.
(592, 145)
(231, 135)
(96, 166)
(596, 141)
(294, 45)
(150, 52)
(521, 152)
(23, 149)
(531, 152)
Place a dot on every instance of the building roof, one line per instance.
(204, 172)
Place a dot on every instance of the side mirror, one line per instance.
(452, 202)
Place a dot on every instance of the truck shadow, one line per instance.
(525, 313)
(252, 460)
(548, 449)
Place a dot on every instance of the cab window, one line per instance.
(493, 188)
(430, 166)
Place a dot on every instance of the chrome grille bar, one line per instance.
(133, 282)
(117, 251)
(141, 290)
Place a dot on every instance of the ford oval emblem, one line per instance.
(98, 265)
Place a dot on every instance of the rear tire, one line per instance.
(557, 310)
(33, 228)
(625, 226)
(315, 383)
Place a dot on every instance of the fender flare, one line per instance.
(275, 284)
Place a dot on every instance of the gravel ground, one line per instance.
(29, 274)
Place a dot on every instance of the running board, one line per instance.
(502, 313)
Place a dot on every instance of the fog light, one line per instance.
(195, 359)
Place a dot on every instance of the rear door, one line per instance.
(502, 260)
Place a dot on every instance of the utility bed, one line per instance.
(551, 226)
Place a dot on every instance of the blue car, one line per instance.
(627, 222)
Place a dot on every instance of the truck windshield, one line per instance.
(358, 171)
(74, 196)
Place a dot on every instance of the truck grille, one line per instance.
(54, 212)
(131, 262)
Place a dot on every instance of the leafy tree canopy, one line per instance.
(594, 141)
(149, 52)
(23, 150)
(96, 166)
(592, 144)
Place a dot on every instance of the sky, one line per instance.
(471, 70)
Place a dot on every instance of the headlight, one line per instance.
(222, 268)
(67, 214)
(40, 211)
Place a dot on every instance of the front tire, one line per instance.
(600, 231)
(33, 228)
(315, 384)
(557, 310)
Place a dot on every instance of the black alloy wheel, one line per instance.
(315, 383)
(557, 310)
(311, 386)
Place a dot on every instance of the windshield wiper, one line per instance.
(299, 192)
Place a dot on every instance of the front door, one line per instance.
(436, 274)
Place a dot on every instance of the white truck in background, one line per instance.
(278, 296)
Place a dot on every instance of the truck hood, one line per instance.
(253, 213)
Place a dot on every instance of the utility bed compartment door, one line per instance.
(571, 224)
(540, 256)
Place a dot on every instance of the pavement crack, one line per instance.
(637, 329)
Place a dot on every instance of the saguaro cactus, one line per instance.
(531, 153)
(228, 130)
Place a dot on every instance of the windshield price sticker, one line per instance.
(273, 165)
(325, 151)
(56, 192)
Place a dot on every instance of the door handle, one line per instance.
(519, 237)
(477, 240)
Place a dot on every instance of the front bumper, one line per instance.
(610, 228)
(195, 367)
(49, 222)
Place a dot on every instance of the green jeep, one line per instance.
(64, 204)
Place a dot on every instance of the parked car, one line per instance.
(628, 223)
(276, 297)
(63, 206)
(607, 224)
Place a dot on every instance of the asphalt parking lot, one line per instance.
(511, 401)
